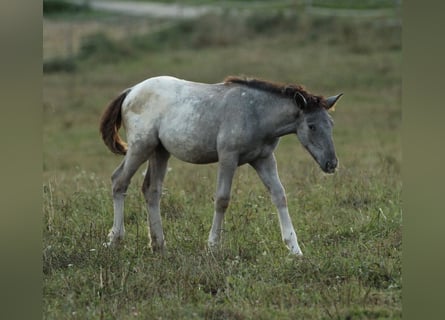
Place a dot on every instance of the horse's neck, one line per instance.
(282, 117)
(285, 130)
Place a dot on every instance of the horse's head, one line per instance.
(314, 130)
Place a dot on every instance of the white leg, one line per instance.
(267, 171)
(117, 232)
(226, 170)
(152, 189)
(120, 180)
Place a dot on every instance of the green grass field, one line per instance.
(349, 224)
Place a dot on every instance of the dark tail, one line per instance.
(110, 123)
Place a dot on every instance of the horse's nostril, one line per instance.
(331, 165)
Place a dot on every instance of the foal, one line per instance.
(235, 122)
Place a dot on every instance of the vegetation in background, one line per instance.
(336, 4)
(232, 29)
(349, 224)
(53, 7)
(353, 4)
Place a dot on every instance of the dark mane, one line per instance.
(282, 89)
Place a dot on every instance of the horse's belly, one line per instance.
(191, 149)
(192, 154)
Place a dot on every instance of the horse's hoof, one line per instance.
(296, 252)
(112, 244)
(158, 248)
(212, 246)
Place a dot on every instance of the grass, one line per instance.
(349, 224)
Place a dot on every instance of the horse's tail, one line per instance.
(110, 123)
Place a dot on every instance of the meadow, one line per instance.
(349, 224)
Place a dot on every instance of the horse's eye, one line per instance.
(312, 127)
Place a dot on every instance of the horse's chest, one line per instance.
(260, 151)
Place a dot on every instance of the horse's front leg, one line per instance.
(267, 171)
(226, 170)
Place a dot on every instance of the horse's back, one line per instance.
(168, 92)
(180, 114)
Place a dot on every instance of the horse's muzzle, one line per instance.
(330, 166)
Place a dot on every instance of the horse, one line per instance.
(234, 122)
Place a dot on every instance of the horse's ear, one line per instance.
(331, 101)
(300, 100)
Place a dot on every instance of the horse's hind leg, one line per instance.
(152, 190)
(120, 180)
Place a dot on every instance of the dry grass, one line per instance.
(63, 37)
